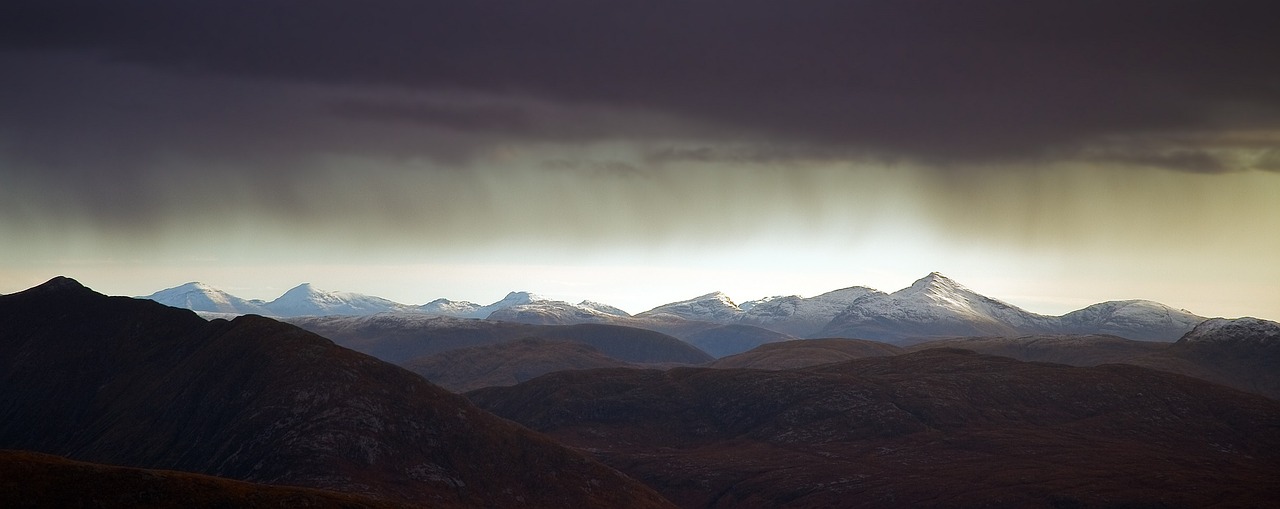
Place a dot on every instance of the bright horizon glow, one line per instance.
(1049, 243)
(632, 288)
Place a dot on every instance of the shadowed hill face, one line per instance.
(942, 428)
(509, 363)
(731, 339)
(132, 382)
(32, 480)
(399, 338)
(805, 352)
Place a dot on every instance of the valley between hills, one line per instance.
(931, 396)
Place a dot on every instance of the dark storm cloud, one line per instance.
(935, 80)
(467, 121)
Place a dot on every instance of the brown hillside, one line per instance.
(939, 428)
(1075, 350)
(805, 352)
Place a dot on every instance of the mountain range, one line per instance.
(141, 403)
(933, 307)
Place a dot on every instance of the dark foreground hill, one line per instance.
(397, 338)
(939, 428)
(31, 480)
(132, 382)
(507, 363)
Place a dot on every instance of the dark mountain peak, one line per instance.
(58, 285)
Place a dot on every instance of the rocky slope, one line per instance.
(132, 382)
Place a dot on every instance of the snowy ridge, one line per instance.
(1142, 320)
(603, 308)
(551, 313)
(713, 307)
(446, 307)
(306, 300)
(799, 316)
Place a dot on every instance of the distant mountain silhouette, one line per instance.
(506, 363)
(398, 338)
(132, 382)
(937, 428)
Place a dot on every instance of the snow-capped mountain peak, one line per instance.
(937, 287)
(934, 305)
(305, 300)
(938, 290)
(198, 296)
(518, 298)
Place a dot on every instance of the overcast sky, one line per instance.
(1050, 154)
